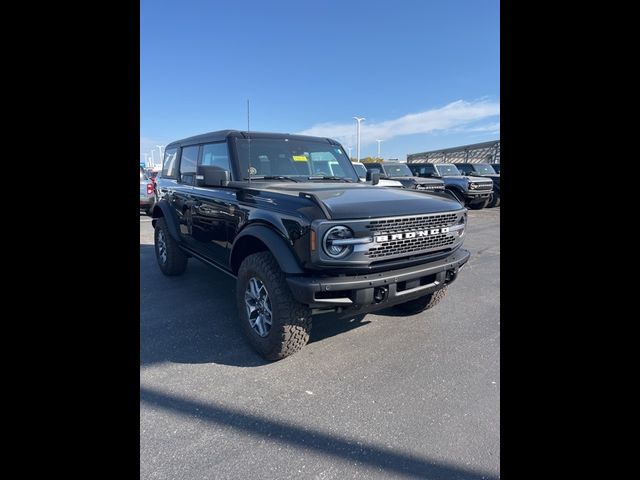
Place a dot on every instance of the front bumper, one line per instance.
(374, 291)
(147, 201)
(477, 196)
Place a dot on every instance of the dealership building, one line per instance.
(486, 152)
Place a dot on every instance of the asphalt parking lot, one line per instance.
(384, 396)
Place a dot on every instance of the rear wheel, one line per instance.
(423, 303)
(274, 323)
(171, 260)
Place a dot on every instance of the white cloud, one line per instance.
(456, 114)
(487, 128)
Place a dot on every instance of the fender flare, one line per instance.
(169, 217)
(274, 242)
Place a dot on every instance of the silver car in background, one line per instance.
(361, 170)
(147, 193)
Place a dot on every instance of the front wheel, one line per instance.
(423, 303)
(494, 201)
(274, 323)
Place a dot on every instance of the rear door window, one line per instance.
(188, 162)
(215, 155)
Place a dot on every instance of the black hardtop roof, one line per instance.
(222, 135)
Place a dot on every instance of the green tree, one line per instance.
(371, 160)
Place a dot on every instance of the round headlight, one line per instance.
(473, 186)
(332, 245)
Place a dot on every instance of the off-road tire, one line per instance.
(423, 303)
(176, 259)
(291, 320)
(479, 205)
(494, 201)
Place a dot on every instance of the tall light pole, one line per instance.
(358, 119)
(378, 147)
(160, 147)
(349, 148)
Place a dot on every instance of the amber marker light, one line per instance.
(313, 240)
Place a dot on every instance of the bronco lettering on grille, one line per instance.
(417, 234)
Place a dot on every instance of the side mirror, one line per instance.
(373, 176)
(211, 176)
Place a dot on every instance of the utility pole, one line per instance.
(358, 119)
(378, 147)
(349, 148)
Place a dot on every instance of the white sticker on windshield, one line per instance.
(252, 170)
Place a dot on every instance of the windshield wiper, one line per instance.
(271, 177)
(329, 177)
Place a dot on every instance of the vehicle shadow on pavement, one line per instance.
(396, 463)
(192, 318)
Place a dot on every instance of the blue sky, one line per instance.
(424, 73)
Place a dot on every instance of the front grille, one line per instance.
(485, 186)
(411, 245)
(411, 224)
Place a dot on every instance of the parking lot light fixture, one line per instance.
(358, 119)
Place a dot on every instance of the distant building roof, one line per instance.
(485, 152)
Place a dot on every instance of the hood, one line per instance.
(352, 200)
(420, 180)
(470, 178)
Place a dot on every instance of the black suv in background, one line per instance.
(401, 173)
(299, 242)
(475, 192)
(484, 170)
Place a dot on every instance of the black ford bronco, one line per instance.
(475, 192)
(299, 240)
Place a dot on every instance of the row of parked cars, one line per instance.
(475, 185)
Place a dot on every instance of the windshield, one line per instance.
(397, 170)
(484, 168)
(360, 170)
(447, 169)
(299, 159)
